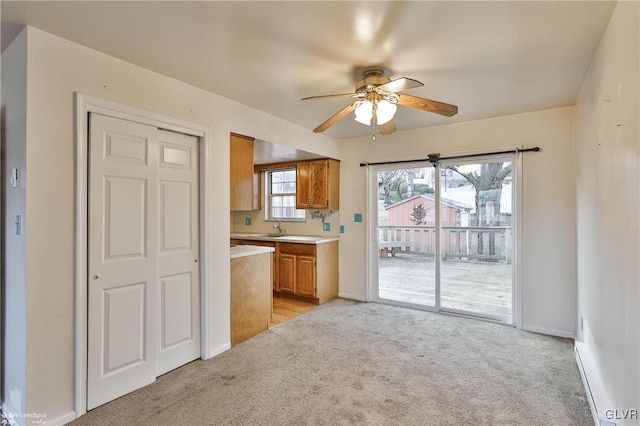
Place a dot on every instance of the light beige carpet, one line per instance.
(363, 363)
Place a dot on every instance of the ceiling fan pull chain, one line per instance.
(374, 120)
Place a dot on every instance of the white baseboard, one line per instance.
(550, 331)
(352, 297)
(217, 351)
(598, 401)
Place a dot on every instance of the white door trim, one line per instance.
(84, 104)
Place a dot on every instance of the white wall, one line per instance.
(56, 69)
(608, 212)
(14, 127)
(548, 235)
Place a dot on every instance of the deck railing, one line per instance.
(490, 244)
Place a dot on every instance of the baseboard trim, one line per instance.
(597, 397)
(550, 331)
(352, 297)
(217, 351)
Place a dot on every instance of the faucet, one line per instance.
(279, 228)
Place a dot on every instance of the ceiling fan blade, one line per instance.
(335, 118)
(387, 128)
(399, 85)
(339, 95)
(429, 105)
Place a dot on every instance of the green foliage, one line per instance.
(403, 189)
(422, 188)
(394, 197)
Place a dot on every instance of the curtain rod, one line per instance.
(434, 158)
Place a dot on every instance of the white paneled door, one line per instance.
(143, 295)
(178, 301)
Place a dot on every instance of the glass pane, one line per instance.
(276, 188)
(276, 201)
(406, 234)
(276, 212)
(289, 176)
(289, 187)
(277, 176)
(477, 239)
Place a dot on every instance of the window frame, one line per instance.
(269, 196)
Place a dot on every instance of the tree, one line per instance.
(399, 181)
(487, 181)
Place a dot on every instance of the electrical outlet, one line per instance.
(326, 227)
(247, 221)
(342, 229)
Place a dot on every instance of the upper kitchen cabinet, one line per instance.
(244, 182)
(318, 184)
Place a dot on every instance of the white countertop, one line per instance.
(248, 250)
(299, 239)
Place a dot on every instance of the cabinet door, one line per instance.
(303, 185)
(287, 278)
(319, 184)
(242, 176)
(306, 276)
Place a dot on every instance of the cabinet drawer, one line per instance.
(292, 248)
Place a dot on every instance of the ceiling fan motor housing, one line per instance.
(371, 79)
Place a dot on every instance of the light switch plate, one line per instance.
(357, 217)
(326, 227)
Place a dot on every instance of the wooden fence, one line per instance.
(489, 244)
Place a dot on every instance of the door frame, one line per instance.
(85, 104)
(372, 235)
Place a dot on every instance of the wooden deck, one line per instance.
(478, 288)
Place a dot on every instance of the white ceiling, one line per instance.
(489, 58)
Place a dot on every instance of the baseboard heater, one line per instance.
(596, 396)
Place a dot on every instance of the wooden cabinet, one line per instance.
(275, 256)
(318, 184)
(309, 270)
(251, 296)
(245, 191)
(306, 276)
(287, 274)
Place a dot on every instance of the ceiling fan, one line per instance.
(377, 101)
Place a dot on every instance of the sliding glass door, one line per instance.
(444, 237)
(476, 238)
(406, 237)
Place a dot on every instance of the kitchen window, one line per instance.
(281, 195)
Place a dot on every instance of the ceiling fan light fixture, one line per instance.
(364, 113)
(385, 111)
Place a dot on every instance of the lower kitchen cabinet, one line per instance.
(309, 270)
(287, 268)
